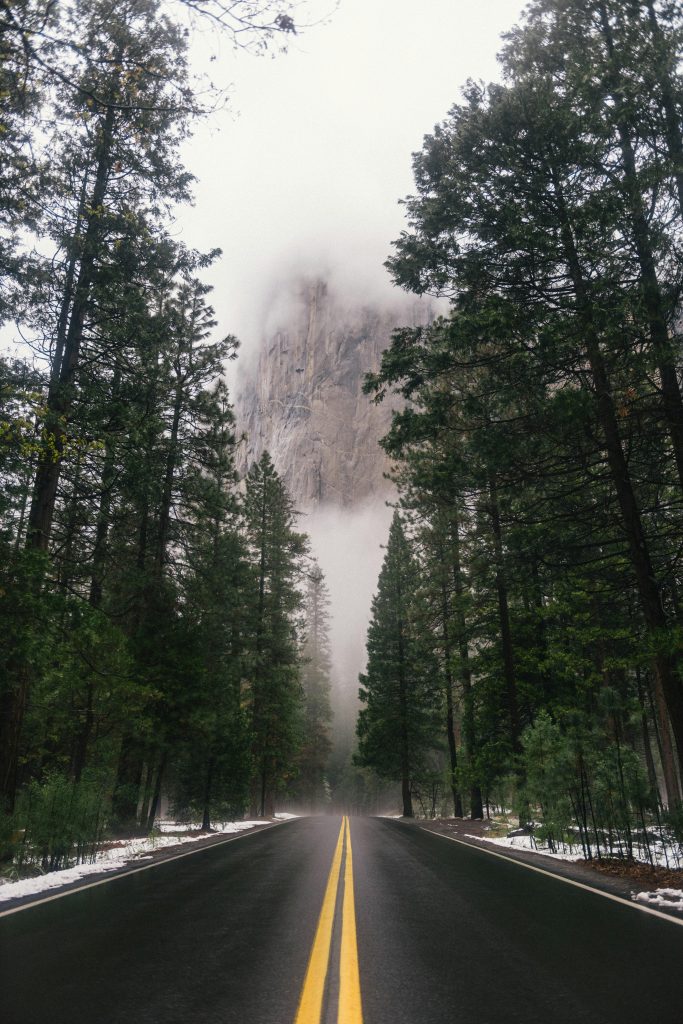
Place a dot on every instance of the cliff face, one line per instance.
(304, 403)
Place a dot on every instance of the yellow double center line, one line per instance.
(311, 1000)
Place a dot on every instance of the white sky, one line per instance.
(307, 174)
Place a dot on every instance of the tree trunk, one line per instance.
(12, 707)
(504, 619)
(448, 675)
(156, 796)
(406, 794)
(60, 394)
(206, 813)
(645, 734)
(147, 790)
(671, 783)
(452, 749)
(264, 789)
(84, 733)
(167, 491)
(127, 789)
(469, 727)
(99, 555)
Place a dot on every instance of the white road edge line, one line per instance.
(560, 878)
(134, 871)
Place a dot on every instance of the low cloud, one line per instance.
(348, 547)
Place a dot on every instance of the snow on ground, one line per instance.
(55, 879)
(114, 857)
(668, 899)
(529, 844)
(658, 854)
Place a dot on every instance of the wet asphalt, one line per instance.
(446, 935)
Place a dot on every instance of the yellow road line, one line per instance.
(311, 1000)
(350, 1007)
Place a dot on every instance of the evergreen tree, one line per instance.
(210, 763)
(542, 260)
(274, 696)
(316, 671)
(399, 689)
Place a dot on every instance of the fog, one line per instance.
(347, 545)
(302, 174)
(304, 183)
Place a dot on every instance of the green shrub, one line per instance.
(63, 822)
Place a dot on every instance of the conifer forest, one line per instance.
(539, 451)
(164, 623)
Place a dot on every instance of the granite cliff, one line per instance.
(303, 400)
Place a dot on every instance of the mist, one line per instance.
(305, 184)
(302, 173)
(348, 547)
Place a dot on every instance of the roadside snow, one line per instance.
(528, 844)
(118, 856)
(657, 853)
(55, 879)
(668, 899)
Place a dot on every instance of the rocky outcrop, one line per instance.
(303, 401)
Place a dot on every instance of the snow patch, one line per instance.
(56, 879)
(668, 899)
(529, 845)
(115, 857)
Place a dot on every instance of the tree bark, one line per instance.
(99, 555)
(12, 707)
(167, 490)
(469, 727)
(504, 620)
(156, 796)
(448, 675)
(406, 794)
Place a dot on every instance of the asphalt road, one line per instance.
(445, 933)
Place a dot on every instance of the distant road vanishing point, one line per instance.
(325, 920)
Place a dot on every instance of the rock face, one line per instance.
(304, 401)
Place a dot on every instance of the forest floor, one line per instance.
(658, 886)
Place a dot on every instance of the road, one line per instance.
(261, 931)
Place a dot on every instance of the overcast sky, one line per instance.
(306, 171)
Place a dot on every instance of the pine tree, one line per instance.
(545, 282)
(274, 696)
(399, 689)
(210, 761)
(316, 671)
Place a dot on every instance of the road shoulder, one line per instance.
(607, 877)
(133, 866)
